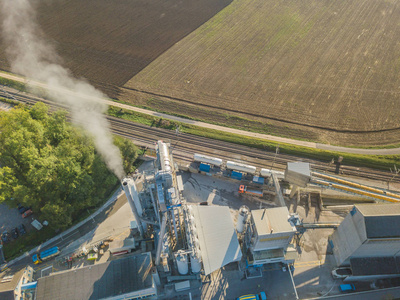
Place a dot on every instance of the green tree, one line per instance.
(48, 164)
(129, 153)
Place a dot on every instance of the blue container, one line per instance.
(236, 175)
(347, 288)
(205, 168)
(258, 179)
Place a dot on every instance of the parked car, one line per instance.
(14, 233)
(21, 209)
(341, 272)
(21, 229)
(346, 288)
(5, 237)
(260, 296)
(27, 213)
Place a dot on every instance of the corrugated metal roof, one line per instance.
(381, 220)
(271, 219)
(217, 237)
(382, 227)
(384, 265)
(379, 209)
(112, 278)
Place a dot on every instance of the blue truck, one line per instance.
(45, 255)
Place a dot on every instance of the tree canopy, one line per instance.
(52, 166)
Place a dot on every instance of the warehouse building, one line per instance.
(368, 240)
(132, 277)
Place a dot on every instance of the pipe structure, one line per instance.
(161, 238)
(125, 186)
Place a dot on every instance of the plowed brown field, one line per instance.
(320, 69)
(109, 41)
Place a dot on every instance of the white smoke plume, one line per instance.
(32, 56)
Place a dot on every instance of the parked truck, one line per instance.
(45, 255)
(250, 191)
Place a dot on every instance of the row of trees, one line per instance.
(52, 166)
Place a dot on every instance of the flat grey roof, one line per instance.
(219, 245)
(271, 219)
(381, 220)
(383, 265)
(379, 209)
(299, 167)
(113, 278)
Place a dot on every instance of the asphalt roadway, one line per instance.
(71, 235)
(267, 137)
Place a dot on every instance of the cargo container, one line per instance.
(204, 168)
(258, 179)
(236, 175)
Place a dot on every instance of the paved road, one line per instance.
(221, 128)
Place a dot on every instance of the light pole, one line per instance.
(276, 152)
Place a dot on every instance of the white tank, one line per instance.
(265, 172)
(182, 263)
(279, 174)
(241, 167)
(242, 218)
(208, 159)
(195, 263)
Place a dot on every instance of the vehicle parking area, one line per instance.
(11, 218)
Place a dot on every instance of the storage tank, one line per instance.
(241, 167)
(163, 155)
(279, 174)
(195, 263)
(182, 263)
(208, 159)
(265, 172)
(242, 218)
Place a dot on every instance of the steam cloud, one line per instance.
(32, 56)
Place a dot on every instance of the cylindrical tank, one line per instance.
(242, 218)
(195, 263)
(208, 159)
(265, 172)
(182, 263)
(240, 167)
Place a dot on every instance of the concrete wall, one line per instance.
(378, 248)
(348, 237)
(273, 241)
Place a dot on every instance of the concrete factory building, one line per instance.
(17, 284)
(132, 277)
(368, 240)
(271, 234)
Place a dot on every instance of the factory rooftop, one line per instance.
(126, 277)
(381, 220)
(271, 220)
(217, 237)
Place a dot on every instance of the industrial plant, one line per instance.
(176, 246)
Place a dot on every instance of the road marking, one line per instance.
(303, 264)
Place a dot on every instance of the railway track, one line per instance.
(185, 145)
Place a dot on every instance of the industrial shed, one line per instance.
(217, 237)
(369, 234)
(129, 277)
